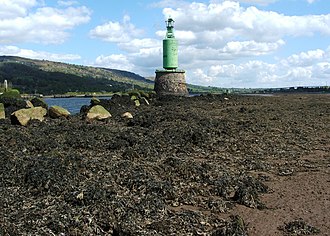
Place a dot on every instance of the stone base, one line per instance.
(170, 83)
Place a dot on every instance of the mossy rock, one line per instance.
(97, 113)
(57, 112)
(137, 103)
(133, 98)
(23, 116)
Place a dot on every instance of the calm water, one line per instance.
(73, 104)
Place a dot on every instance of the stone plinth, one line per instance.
(170, 83)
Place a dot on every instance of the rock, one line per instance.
(97, 113)
(29, 104)
(84, 109)
(133, 97)
(39, 102)
(2, 111)
(12, 104)
(95, 101)
(57, 112)
(23, 116)
(127, 115)
(137, 103)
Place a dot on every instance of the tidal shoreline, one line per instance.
(211, 164)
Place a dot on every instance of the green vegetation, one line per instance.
(196, 89)
(11, 93)
(46, 77)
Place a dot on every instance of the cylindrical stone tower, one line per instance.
(170, 81)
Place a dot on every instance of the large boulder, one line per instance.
(23, 116)
(97, 113)
(2, 111)
(57, 112)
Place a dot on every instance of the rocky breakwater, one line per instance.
(21, 112)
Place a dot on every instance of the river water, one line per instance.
(72, 104)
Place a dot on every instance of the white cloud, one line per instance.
(307, 58)
(136, 45)
(251, 48)
(115, 61)
(247, 23)
(221, 43)
(258, 2)
(45, 25)
(169, 3)
(16, 51)
(66, 3)
(303, 69)
(15, 8)
(116, 32)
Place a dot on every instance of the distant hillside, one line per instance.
(48, 77)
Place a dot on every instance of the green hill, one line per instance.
(47, 77)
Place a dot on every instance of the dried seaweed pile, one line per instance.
(171, 170)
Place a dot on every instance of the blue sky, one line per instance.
(237, 43)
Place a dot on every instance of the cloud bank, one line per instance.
(30, 21)
(220, 43)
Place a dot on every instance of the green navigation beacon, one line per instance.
(170, 47)
(170, 80)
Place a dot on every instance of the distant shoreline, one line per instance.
(28, 96)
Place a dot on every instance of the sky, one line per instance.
(223, 43)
